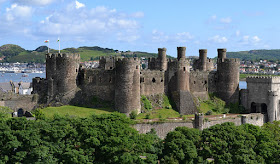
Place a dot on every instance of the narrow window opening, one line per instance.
(154, 80)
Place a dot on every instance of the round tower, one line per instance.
(203, 59)
(162, 58)
(127, 86)
(51, 74)
(67, 66)
(228, 79)
(183, 73)
(272, 107)
(181, 53)
(222, 53)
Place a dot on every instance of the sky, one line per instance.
(144, 25)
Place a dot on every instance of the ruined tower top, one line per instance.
(181, 53)
(222, 53)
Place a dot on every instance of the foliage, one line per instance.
(227, 143)
(97, 139)
(133, 114)
(209, 112)
(109, 138)
(5, 112)
(166, 102)
(180, 146)
(215, 104)
(147, 104)
(256, 55)
(235, 108)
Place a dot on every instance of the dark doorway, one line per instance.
(264, 108)
(253, 108)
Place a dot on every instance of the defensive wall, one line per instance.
(200, 122)
(122, 81)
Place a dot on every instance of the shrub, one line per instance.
(209, 112)
(146, 102)
(133, 115)
(148, 116)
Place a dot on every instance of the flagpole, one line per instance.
(59, 46)
(49, 46)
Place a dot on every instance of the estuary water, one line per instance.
(18, 77)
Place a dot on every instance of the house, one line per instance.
(25, 88)
(7, 87)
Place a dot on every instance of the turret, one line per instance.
(272, 108)
(203, 59)
(162, 58)
(62, 71)
(181, 53)
(228, 77)
(222, 53)
(183, 70)
(127, 92)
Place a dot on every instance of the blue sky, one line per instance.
(142, 25)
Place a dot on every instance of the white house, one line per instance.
(25, 88)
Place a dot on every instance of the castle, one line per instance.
(123, 81)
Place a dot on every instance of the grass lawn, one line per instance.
(77, 111)
(159, 113)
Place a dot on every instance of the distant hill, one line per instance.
(256, 55)
(15, 53)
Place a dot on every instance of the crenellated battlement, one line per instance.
(228, 60)
(263, 79)
(127, 60)
(63, 55)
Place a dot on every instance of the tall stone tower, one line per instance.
(162, 58)
(228, 77)
(183, 74)
(203, 59)
(127, 86)
(61, 74)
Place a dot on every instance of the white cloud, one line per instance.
(16, 11)
(137, 14)
(126, 37)
(237, 33)
(158, 36)
(99, 23)
(248, 40)
(226, 20)
(34, 2)
(183, 37)
(213, 17)
(218, 39)
(79, 5)
(256, 39)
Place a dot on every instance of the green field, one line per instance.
(76, 111)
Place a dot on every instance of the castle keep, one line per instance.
(122, 81)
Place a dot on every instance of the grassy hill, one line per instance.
(14, 53)
(256, 55)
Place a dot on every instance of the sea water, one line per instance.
(19, 77)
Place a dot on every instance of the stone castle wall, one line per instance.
(152, 82)
(122, 81)
(163, 128)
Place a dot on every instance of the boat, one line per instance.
(24, 75)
